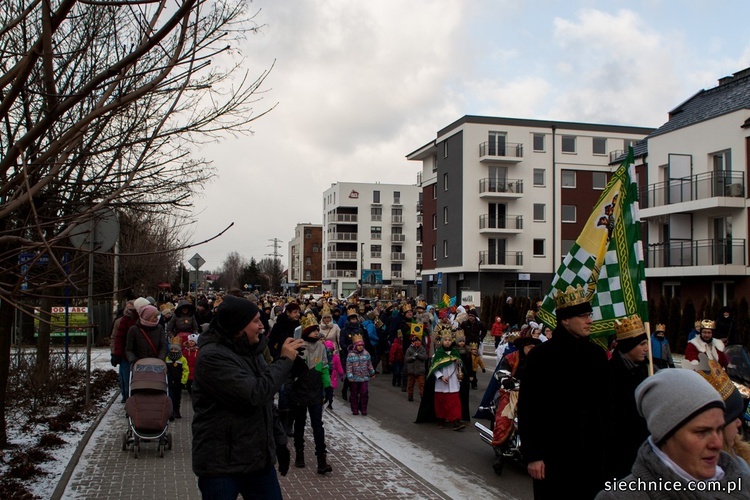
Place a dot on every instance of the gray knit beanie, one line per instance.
(671, 398)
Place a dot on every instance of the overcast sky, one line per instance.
(360, 84)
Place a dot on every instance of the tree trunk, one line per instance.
(6, 322)
(41, 370)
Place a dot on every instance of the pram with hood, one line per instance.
(148, 407)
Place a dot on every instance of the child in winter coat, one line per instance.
(183, 322)
(498, 328)
(359, 369)
(396, 360)
(416, 355)
(334, 368)
(190, 352)
(177, 376)
(476, 363)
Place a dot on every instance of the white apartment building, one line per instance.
(371, 238)
(694, 199)
(505, 198)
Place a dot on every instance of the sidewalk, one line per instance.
(360, 469)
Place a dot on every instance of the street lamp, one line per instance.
(361, 264)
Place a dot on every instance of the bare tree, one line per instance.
(272, 271)
(104, 103)
(231, 270)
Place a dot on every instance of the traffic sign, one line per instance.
(197, 261)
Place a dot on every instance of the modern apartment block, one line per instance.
(504, 199)
(305, 261)
(694, 201)
(371, 239)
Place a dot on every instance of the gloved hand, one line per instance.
(484, 370)
(329, 393)
(114, 360)
(283, 456)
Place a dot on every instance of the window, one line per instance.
(376, 251)
(629, 142)
(315, 248)
(376, 196)
(445, 249)
(376, 213)
(445, 215)
(539, 177)
(308, 275)
(445, 182)
(538, 248)
(445, 149)
(308, 261)
(396, 268)
(539, 215)
(600, 146)
(568, 144)
(723, 291)
(434, 221)
(376, 265)
(376, 232)
(308, 235)
(565, 246)
(397, 197)
(568, 213)
(434, 191)
(599, 180)
(496, 142)
(434, 252)
(670, 290)
(539, 142)
(568, 178)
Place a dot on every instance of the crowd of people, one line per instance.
(255, 367)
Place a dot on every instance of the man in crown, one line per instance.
(707, 344)
(563, 405)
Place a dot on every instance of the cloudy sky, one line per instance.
(360, 84)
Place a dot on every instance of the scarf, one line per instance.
(443, 358)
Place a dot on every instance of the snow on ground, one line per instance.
(43, 486)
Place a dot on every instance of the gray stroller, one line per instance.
(148, 407)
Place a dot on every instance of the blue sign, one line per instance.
(372, 276)
(440, 279)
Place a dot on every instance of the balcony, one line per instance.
(702, 191)
(501, 261)
(509, 152)
(342, 218)
(492, 187)
(336, 236)
(688, 253)
(375, 255)
(376, 217)
(420, 207)
(342, 255)
(511, 224)
(397, 219)
(376, 236)
(398, 256)
(396, 201)
(341, 273)
(397, 274)
(398, 238)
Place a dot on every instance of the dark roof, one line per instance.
(732, 93)
(526, 122)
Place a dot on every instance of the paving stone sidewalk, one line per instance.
(360, 469)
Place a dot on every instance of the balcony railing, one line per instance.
(509, 149)
(398, 237)
(342, 218)
(397, 274)
(696, 253)
(500, 186)
(377, 217)
(493, 222)
(696, 187)
(420, 207)
(376, 236)
(513, 259)
(335, 255)
(336, 236)
(341, 273)
(398, 256)
(397, 219)
(375, 255)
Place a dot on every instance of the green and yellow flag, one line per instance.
(607, 258)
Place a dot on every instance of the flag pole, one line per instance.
(650, 352)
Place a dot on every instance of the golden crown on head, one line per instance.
(629, 327)
(422, 304)
(707, 323)
(446, 333)
(352, 310)
(473, 345)
(660, 327)
(570, 297)
(357, 338)
(719, 379)
(326, 311)
(406, 307)
(307, 321)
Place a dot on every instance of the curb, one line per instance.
(62, 484)
(398, 462)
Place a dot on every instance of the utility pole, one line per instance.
(276, 244)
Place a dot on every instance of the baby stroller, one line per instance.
(148, 407)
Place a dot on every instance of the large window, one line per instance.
(539, 215)
(568, 213)
(539, 248)
(568, 144)
(539, 142)
(539, 174)
(600, 146)
(599, 180)
(397, 197)
(568, 178)
(376, 196)
(376, 251)
(376, 232)
(376, 213)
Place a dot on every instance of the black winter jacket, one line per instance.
(235, 425)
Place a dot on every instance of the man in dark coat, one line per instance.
(726, 327)
(563, 406)
(473, 329)
(283, 329)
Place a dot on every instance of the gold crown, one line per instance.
(307, 321)
(406, 307)
(357, 338)
(660, 327)
(473, 345)
(352, 310)
(629, 327)
(570, 297)
(326, 311)
(718, 379)
(707, 323)
(422, 304)
(445, 333)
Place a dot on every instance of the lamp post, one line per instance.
(361, 265)
(479, 273)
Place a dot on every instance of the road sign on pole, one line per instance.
(196, 261)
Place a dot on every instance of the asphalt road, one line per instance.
(390, 408)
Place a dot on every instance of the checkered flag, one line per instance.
(607, 258)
